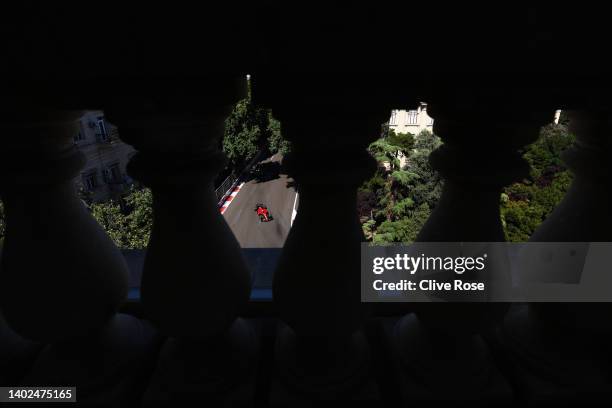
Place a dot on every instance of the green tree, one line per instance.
(526, 204)
(244, 133)
(426, 142)
(276, 142)
(139, 218)
(129, 228)
(403, 230)
(427, 183)
(391, 147)
(520, 218)
(248, 129)
(403, 208)
(369, 227)
(403, 141)
(404, 197)
(544, 155)
(395, 196)
(112, 220)
(385, 152)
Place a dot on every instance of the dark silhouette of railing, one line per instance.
(195, 331)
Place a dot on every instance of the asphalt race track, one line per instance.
(273, 191)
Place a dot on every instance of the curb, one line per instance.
(229, 198)
(233, 190)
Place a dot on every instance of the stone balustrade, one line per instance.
(536, 335)
(63, 283)
(62, 280)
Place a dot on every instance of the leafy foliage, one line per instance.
(248, 129)
(544, 155)
(245, 132)
(525, 205)
(403, 141)
(139, 218)
(427, 185)
(403, 208)
(114, 222)
(404, 178)
(404, 229)
(403, 198)
(129, 228)
(384, 152)
(369, 227)
(520, 219)
(427, 142)
(399, 201)
(276, 142)
(391, 148)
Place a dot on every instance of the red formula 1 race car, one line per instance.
(263, 213)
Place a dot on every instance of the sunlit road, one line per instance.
(274, 193)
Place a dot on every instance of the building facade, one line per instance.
(411, 121)
(104, 176)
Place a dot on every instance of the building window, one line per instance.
(430, 122)
(393, 120)
(101, 134)
(412, 117)
(90, 181)
(78, 137)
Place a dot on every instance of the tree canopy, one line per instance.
(276, 141)
(526, 204)
(248, 129)
(245, 133)
(130, 227)
(395, 203)
(391, 147)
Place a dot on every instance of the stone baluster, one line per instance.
(564, 347)
(479, 156)
(16, 353)
(62, 278)
(195, 280)
(583, 214)
(321, 350)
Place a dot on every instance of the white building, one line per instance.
(411, 121)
